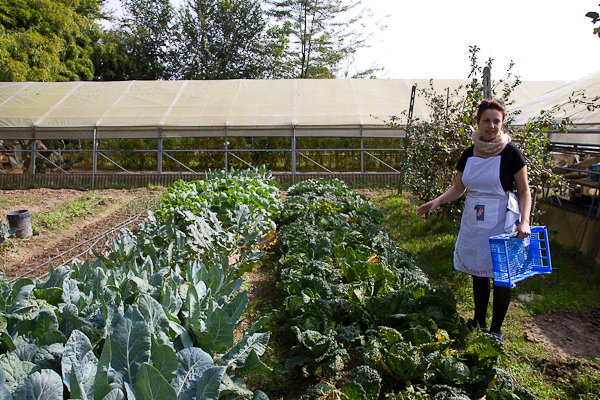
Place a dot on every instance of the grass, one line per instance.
(6, 202)
(64, 214)
(151, 200)
(577, 286)
(370, 185)
(540, 369)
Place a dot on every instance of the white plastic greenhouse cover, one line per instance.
(586, 123)
(150, 109)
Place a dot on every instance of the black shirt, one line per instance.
(511, 162)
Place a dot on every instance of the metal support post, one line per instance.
(408, 125)
(159, 155)
(33, 154)
(447, 105)
(362, 154)
(588, 217)
(487, 83)
(94, 158)
(226, 152)
(294, 155)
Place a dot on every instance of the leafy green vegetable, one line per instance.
(130, 344)
(369, 379)
(341, 274)
(151, 385)
(44, 385)
(76, 348)
(147, 305)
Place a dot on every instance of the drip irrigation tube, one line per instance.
(97, 238)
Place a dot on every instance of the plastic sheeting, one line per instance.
(150, 109)
(586, 129)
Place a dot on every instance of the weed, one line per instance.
(141, 203)
(277, 381)
(572, 285)
(588, 384)
(430, 240)
(283, 185)
(64, 213)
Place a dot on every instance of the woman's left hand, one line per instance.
(523, 230)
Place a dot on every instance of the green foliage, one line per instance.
(532, 138)
(231, 211)
(47, 40)
(59, 155)
(316, 353)
(320, 391)
(318, 37)
(51, 156)
(8, 202)
(138, 48)
(220, 40)
(345, 283)
(368, 379)
(435, 144)
(432, 240)
(64, 214)
(139, 319)
(595, 18)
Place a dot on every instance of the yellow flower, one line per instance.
(373, 259)
(492, 383)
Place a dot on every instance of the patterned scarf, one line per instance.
(489, 147)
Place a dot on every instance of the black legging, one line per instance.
(481, 296)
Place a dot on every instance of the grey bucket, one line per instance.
(20, 222)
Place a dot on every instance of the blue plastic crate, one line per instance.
(515, 259)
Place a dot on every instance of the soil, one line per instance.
(571, 336)
(57, 244)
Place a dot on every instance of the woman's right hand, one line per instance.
(428, 207)
(454, 193)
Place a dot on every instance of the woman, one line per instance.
(488, 170)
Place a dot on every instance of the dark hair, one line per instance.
(494, 104)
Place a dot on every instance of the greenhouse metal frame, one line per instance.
(293, 109)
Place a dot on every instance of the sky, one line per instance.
(547, 40)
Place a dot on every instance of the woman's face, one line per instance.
(490, 124)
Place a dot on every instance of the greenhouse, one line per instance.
(180, 128)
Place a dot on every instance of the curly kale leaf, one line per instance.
(369, 379)
(317, 353)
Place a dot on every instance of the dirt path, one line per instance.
(22, 255)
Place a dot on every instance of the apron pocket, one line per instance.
(482, 213)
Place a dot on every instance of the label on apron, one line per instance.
(480, 212)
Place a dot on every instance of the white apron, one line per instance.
(484, 215)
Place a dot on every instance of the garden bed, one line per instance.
(571, 336)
